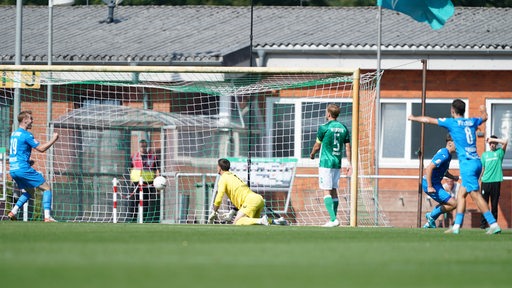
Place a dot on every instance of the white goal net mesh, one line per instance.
(262, 120)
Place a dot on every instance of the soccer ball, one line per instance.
(159, 183)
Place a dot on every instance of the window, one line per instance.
(500, 124)
(393, 136)
(291, 131)
(400, 138)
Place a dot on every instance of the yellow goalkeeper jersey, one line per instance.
(236, 189)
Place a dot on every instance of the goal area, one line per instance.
(264, 120)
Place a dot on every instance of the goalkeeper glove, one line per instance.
(213, 216)
(228, 216)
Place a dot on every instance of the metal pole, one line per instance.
(49, 91)
(354, 148)
(19, 28)
(377, 117)
(50, 56)
(249, 122)
(251, 33)
(422, 140)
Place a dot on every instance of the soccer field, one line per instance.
(36, 254)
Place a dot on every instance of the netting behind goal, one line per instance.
(264, 120)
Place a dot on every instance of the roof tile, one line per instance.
(205, 34)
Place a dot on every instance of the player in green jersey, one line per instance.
(492, 174)
(330, 139)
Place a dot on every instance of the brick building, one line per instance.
(469, 58)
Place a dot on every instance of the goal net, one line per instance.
(264, 120)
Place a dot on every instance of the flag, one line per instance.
(434, 12)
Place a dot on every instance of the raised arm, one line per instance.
(502, 141)
(43, 147)
(423, 119)
(483, 113)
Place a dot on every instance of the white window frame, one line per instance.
(507, 163)
(297, 102)
(407, 161)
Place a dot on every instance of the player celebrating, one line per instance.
(329, 140)
(463, 132)
(249, 204)
(20, 169)
(434, 173)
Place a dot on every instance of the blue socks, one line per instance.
(25, 197)
(459, 218)
(47, 200)
(436, 212)
(489, 217)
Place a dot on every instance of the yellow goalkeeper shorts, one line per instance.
(253, 205)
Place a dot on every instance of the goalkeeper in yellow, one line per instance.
(249, 204)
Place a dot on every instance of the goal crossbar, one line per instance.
(176, 69)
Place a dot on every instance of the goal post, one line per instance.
(190, 117)
(355, 148)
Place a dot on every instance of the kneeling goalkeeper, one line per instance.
(249, 204)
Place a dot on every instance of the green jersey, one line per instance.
(491, 161)
(333, 136)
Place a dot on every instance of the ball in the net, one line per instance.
(159, 183)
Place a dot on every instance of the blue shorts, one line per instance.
(441, 196)
(27, 179)
(470, 171)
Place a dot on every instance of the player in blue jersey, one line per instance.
(463, 132)
(331, 138)
(26, 177)
(434, 173)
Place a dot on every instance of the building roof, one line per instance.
(220, 35)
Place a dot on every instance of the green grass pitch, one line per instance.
(37, 254)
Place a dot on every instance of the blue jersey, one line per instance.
(22, 143)
(442, 162)
(463, 132)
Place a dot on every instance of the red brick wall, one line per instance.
(476, 86)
